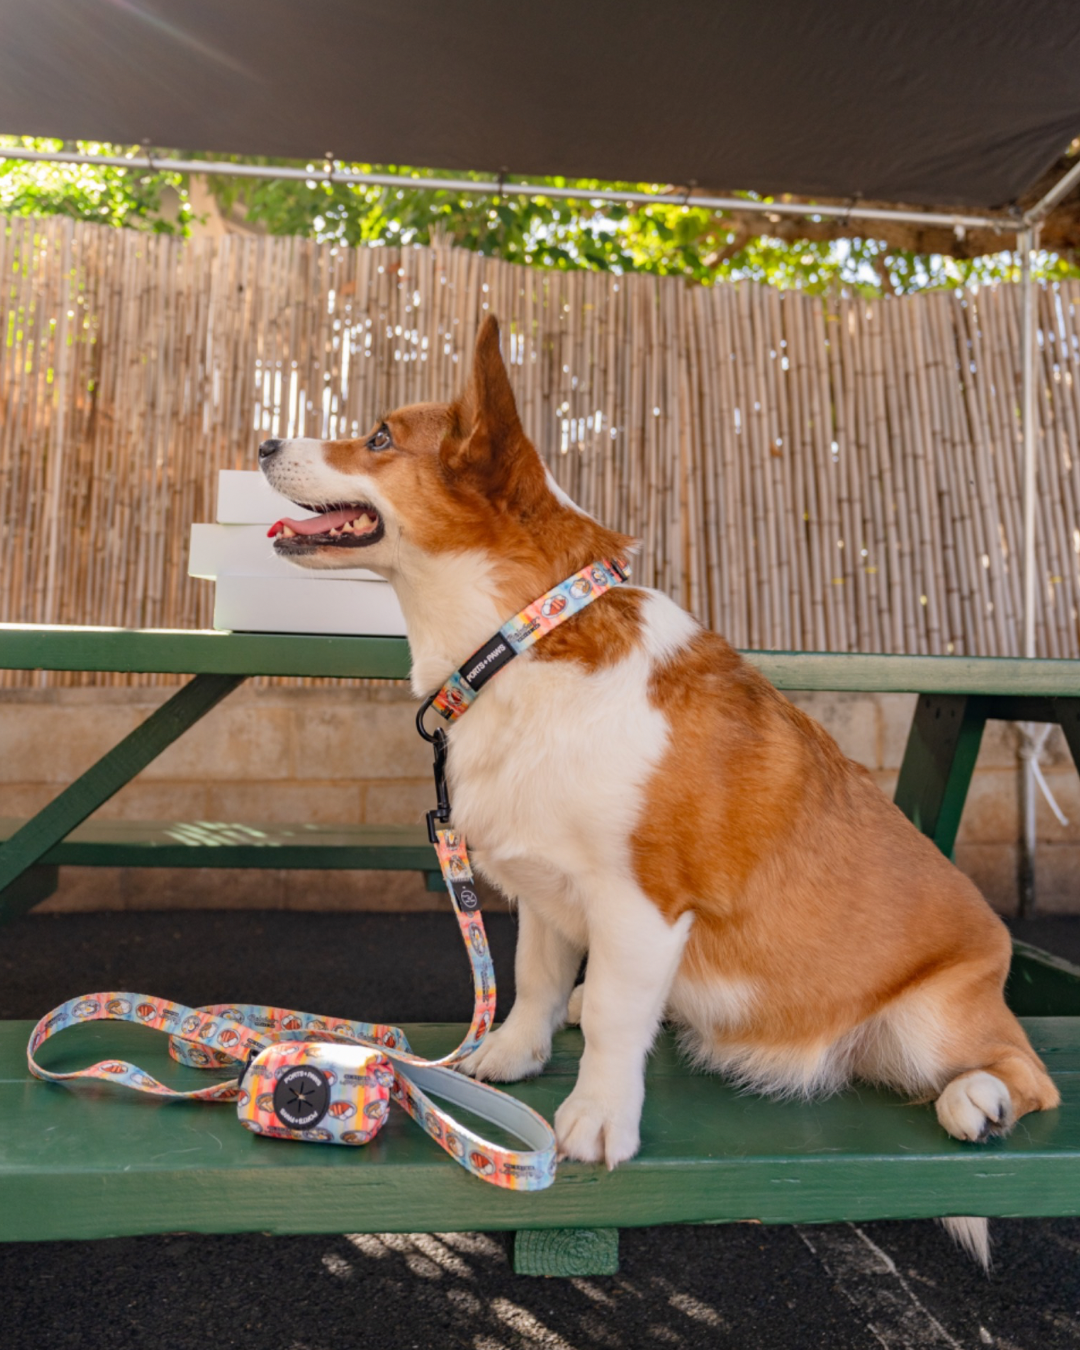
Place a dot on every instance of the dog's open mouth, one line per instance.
(334, 526)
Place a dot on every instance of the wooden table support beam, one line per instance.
(100, 782)
(942, 748)
(566, 1252)
(943, 745)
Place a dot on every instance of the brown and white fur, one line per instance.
(650, 799)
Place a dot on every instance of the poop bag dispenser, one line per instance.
(328, 1094)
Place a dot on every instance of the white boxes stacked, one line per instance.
(258, 592)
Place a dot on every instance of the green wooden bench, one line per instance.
(88, 1163)
(212, 843)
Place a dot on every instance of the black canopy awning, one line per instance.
(920, 101)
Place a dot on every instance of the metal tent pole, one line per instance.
(1027, 241)
(1029, 746)
(496, 187)
(1026, 244)
(1046, 203)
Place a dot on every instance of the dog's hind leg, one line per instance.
(956, 1041)
(987, 1100)
(1008, 1082)
(988, 1075)
(953, 1038)
(545, 965)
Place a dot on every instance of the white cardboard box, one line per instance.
(244, 550)
(256, 591)
(246, 498)
(293, 605)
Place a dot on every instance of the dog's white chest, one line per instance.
(548, 770)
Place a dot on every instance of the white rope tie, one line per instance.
(1032, 743)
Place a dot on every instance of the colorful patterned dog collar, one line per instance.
(518, 634)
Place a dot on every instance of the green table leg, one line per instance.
(566, 1251)
(1067, 715)
(942, 747)
(1042, 985)
(99, 783)
(33, 885)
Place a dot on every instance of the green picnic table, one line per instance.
(89, 1162)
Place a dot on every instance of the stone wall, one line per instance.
(337, 755)
(276, 755)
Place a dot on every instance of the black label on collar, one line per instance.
(490, 658)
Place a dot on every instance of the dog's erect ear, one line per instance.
(489, 401)
(488, 442)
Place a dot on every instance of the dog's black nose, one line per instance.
(269, 448)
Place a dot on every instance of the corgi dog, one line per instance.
(651, 800)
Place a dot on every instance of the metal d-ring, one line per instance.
(427, 703)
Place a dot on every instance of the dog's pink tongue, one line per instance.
(323, 524)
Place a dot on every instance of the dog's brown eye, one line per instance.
(381, 440)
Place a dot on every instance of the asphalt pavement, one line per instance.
(844, 1287)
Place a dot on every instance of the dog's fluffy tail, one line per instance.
(973, 1235)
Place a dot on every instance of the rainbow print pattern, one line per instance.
(359, 1079)
(554, 607)
(212, 1041)
(355, 1067)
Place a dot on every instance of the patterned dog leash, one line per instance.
(330, 1080)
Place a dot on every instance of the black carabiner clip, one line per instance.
(442, 811)
(441, 814)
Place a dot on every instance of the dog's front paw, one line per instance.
(507, 1056)
(975, 1106)
(590, 1129)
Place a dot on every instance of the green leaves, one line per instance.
(137, 198)
(665, 238)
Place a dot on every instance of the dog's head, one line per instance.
(436, 479)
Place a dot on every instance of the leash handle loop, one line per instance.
(212, 1040)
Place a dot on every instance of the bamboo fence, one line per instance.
(804, 473)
